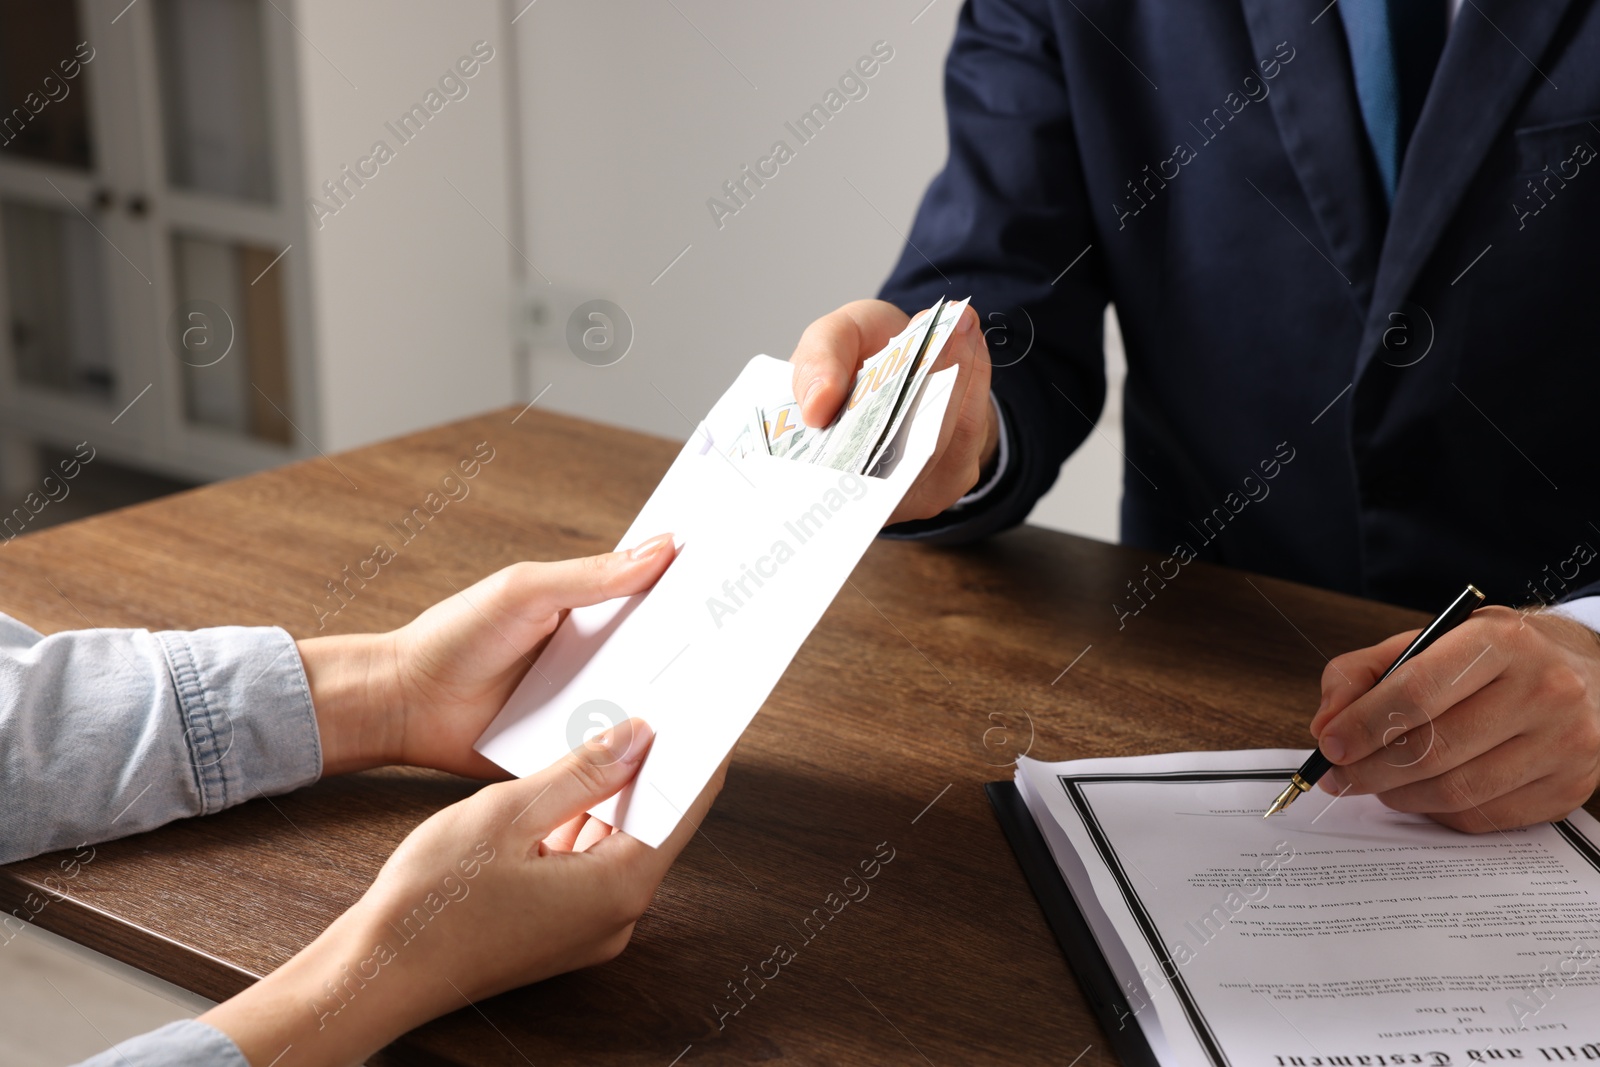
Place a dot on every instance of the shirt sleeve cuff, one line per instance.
(1002, 460)
(1585, 609)
(186, 1043)
(246, 712)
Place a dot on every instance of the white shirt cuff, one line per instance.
(1002, 459)
(1585, 609)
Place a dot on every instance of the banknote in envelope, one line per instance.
(880, 396)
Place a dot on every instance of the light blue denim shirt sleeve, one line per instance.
(106, 733)
(188, 1043)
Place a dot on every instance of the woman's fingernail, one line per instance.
(1333, 782)
(968, 317)
(811, 391)
(1332, 747)
(624, 743)
(650, 547)
(639, 743)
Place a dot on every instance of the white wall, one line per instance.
(635, 114)
(411, 286)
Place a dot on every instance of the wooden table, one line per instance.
(932, 670)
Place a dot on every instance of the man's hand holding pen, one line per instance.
(1496, 725)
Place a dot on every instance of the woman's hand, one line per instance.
(1496, 725)
(507, 887)
(422, 694)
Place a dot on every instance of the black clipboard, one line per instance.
(1072, 931)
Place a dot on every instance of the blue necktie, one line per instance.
(1394, 48)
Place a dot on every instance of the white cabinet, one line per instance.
(168, 290)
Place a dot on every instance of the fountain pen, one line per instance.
(1314, 768)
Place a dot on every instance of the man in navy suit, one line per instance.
(1346, 241)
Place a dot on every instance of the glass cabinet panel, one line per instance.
(228, 332)
(57, 299)
(214, 97)
(41, 83)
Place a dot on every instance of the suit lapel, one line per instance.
(1480, 77)
(1319, 122)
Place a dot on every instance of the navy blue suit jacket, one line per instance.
(1420, 384)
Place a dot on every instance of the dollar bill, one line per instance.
(787, 434)
(945, 320)
(750, 439)
(858, 431)
(882, 395)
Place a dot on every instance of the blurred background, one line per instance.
(237, 233)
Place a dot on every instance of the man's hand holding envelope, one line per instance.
(833, 349)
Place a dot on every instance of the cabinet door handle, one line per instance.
(138, 206)
(104, 200)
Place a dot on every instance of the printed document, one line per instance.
(1340, 932)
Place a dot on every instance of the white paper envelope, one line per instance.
(766, 544)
